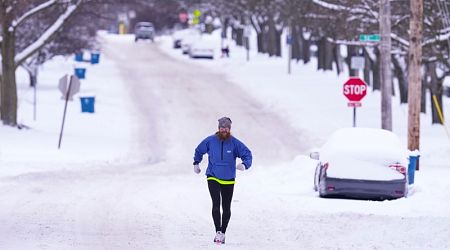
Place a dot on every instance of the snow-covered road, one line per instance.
(180, 104)
(158, 202)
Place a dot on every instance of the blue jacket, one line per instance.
(222, 156)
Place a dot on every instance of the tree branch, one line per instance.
(46, 36)
(32, 12)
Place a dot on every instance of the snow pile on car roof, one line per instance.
(370, 144)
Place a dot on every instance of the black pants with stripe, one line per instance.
(220, 192)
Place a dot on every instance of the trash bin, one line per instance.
(95, 58)
(80, 73)
(87, 104)
(413, 158)
(79, 57)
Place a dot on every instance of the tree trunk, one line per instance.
(328, 55)
(306, 50)
(239, 36)
(32, 75)
(385, 53)
(367, 67)
(296, 43)
(9, 89)
(321, 54)
(260, 42)
(351, 51)
(414, 75)
(271, 38)
(338, 58)
(278, 42)
(401, 76)
(376, 71)
(423, 99)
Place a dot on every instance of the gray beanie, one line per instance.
(225, 122)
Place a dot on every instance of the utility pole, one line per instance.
(414, 74)
(385, 54)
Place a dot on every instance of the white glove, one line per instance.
(240, 166)
(197, 169)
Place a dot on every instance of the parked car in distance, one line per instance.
(178, 36)
(362, 163)
(203, 47)
(188, 39)
(144, 30)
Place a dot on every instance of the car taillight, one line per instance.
(401, 169)
(325, 166)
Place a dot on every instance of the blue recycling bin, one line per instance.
(79, 57)
(412, 167)
(289, 39)
(95, 58)
(80, 73)
(87, 104)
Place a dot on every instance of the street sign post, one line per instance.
(68, 86)
(355, 89)
(369, 37)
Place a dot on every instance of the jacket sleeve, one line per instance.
(245, 154)
(201, 149)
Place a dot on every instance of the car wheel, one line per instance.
(406, 189)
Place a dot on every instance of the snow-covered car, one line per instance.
(201, 50)
(178, 36)
(144, 30)
(203, 47)
(188, 39)
(362, 163)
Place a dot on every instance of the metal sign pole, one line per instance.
(354, 117)
(247, 44)
(34, 102)
(65, 110)
(289, 44)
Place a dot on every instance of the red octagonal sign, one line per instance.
(355, 89)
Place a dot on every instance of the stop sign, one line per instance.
(355, 89)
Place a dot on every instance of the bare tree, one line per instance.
(13, 14)
(385, 53)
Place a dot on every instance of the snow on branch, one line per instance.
(440, 38)
(400, 40)
(46, 36)
(33, 11)
(330, 6)
(353, 10)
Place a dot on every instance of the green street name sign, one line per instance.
(369, 38)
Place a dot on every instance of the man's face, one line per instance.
(224, 133)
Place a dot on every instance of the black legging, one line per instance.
(226, 191)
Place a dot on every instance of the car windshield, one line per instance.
(144, 25)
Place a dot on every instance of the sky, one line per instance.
(33, 169)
